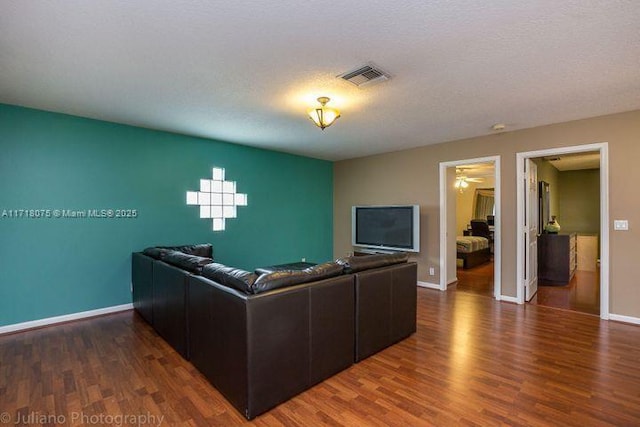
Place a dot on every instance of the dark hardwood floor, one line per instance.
(581, 294)
(474, 362)
(477, 280)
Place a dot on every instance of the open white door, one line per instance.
(531, 229)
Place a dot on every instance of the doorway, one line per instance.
(528, 263)
(451, 177)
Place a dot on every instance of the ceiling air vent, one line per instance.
(367, 74)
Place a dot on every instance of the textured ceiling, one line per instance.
(476, 170)
(246, 71)
(576, 161)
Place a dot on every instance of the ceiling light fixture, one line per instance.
(323, 116)
(461, 183)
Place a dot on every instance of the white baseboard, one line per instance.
(65, 318)
(428, 285)
(508, 299)
(625, 319)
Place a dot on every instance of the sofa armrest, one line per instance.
(218, 337)
(386, 301)
(278, 341)
(404, 301)
(142, 284)
(332, 327)
(261, 350)
(170, 293)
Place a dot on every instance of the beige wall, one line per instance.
(579, 198)
(411, 176)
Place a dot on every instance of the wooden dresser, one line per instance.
(556, 257)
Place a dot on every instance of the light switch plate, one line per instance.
(620, 224)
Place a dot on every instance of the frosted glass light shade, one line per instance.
(461, 183)
(323, 116)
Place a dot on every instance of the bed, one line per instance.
(472, 250)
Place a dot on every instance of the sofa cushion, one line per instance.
(353, 264)
(155, 253)
(191, 263)
(204, 250)
(230, 277)
(285, 278)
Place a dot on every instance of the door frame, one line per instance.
(497, 257)
(530, 240)
(603, 149)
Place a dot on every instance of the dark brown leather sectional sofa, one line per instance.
(261, 339)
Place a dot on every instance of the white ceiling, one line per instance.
(575, 161)
(246, 71)
(476, 170)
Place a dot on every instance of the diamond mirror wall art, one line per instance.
(217, 198)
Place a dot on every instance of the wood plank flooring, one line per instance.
(473, 362)
(581, 294)
(477, 280)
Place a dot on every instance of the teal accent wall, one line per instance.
(56, 266)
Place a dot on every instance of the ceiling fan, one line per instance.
(462, 180)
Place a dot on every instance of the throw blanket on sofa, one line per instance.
(468, 244)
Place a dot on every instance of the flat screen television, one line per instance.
(396, 228)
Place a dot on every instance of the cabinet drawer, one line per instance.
(557, 257)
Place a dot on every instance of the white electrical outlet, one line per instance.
(304, 260)
(432, 271)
